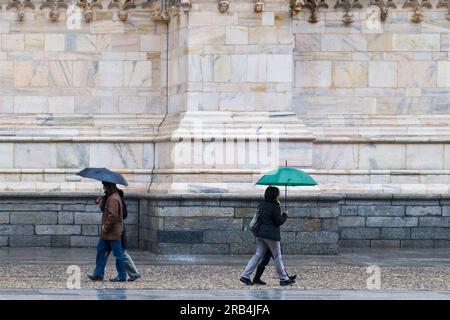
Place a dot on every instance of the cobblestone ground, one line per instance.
(226, 277)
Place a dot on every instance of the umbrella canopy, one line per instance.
(103, 174)
(286, 176)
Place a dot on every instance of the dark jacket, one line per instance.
(112, 218)
(271, 219)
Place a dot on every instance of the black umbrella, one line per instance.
(103, 174)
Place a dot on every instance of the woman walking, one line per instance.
(268, 237)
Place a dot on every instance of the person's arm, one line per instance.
(278, 218)
(112, 214)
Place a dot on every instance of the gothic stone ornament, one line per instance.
(123, 6)
(20, 7)
(54, 6)
(314, 6)
(166, 13)
(88, 6)
(383, 7)
(416, 5)
(444, 4)
(296, 5)
(223, 5)
(348, 5)
(258, 6)
(185, 5)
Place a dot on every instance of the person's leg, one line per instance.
(100, 263)
(275, 248)
(130, 266)
(261, 248)
(117, 251)
(262, 265)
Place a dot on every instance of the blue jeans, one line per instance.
(103, 247)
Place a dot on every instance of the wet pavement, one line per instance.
(38, 273)
(274, 294)
(355, 257)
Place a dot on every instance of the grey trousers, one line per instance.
(261, 246)
(132, 270)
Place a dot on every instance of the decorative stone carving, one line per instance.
(416, 5)
(20, 6)
(348, 5)
(167, 10)
(383, 7)
(88, 6)
(314, 6)
(123, 6)
(296, 5)
(223, 5)
(54, 6)
(185, 5)
(258, 6)
(444, 4)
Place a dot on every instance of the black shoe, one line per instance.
(116, 279)
(94, 278)
(287, 282)
(246, 281)
(293, 277)
(134, 278)
(259, 282)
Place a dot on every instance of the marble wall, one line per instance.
(71, 98)
(377, 98)
(362, 107)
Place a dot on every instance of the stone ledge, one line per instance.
(233, 196)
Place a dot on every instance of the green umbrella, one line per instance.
(286, 176)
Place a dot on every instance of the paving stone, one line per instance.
(357, 233)
(381, 211)
(33, 217)
(181, 236)
(423, 210)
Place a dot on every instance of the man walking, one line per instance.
(110, 235)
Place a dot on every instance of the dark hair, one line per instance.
(110, 187)
(271, 193)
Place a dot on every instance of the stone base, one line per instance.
(215, 224)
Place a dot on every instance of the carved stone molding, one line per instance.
(417, 5)
(20, 6)
(54, 6)
(314, 6)
(383, 5)
(123, 6)
(223, 6)
(88, 6)
(185, 5)
(444, 4)
(258, 6)
(296, 5)
(348, 6)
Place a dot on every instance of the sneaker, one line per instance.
(293, 277)
(287, 282)
(259, 282)
(94, 277)
(246, 281)
(134, 278)
(117, 279)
